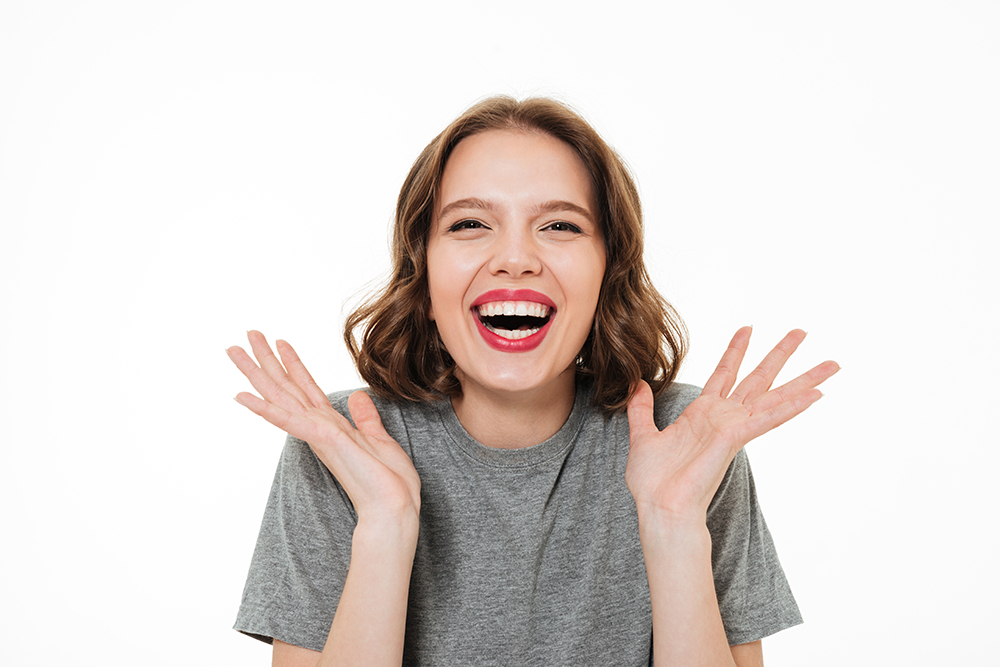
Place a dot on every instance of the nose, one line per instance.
(515, 254)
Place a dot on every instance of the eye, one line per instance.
(563, 226)
(466, 224)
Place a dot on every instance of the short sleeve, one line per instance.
(754, 597)
(302, 555)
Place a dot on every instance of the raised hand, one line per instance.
(676, 472)
(376, 473)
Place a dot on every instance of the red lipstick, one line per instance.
(513, 295)
(500, 343)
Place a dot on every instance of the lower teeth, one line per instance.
(513, 335)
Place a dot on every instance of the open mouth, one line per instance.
(514, 320)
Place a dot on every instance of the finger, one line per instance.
(300, 427)
(808, 380)
(260, 380)
(724, 377)
(300, 375)
(270, 365)
(342, 449)
(640, 412)
(366, 416)
(762, 422)
(761, 378)
(339, 450)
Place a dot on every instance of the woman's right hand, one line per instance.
(377, 474)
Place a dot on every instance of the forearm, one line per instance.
(687, 626)
(370, 622)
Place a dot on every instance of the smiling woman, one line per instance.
(636, 334)
(523, 483)
(515, 231)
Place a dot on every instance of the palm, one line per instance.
(376, 473)
(678, 470)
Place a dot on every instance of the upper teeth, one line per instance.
(523, 308)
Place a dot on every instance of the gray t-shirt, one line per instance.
(525, 556)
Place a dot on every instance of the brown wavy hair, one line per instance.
(636, 333)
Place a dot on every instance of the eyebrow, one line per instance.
(550, 206)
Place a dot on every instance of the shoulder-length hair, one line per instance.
(636, 334)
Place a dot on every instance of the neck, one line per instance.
(516, 419)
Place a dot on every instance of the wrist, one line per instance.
(387, 532)
(657, 522)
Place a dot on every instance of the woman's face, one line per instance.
(515, 261)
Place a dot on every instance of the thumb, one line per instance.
(640, 411)
(366, 417)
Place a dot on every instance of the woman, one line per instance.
(492, 502)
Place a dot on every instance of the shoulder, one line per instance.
(669, 405)
(402, 420)
(338, 400)
(301, 472)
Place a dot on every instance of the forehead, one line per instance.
(517, 167)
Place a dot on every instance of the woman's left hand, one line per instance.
(674, 473)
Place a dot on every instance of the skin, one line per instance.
(673, 475)
(511, 237)
(490, 234)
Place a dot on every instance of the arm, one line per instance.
(383, 486)
(370, 621)
(748, 655)
(287, 655)
(673, 475)
(684, 604)
(687, 626)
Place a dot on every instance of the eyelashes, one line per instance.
(562, 226)
(466, 224)
(558, 226)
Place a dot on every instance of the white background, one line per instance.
(172, 174)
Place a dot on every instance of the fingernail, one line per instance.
(236, 398)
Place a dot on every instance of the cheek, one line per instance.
(450, 273)
(600, 268)
(433, 280)
(583, 276)
(599, 264)
(443, 286)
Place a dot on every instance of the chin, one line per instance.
(512, 382)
